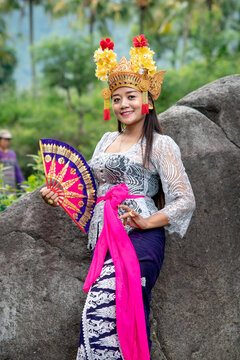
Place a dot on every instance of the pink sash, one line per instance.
(131, 325)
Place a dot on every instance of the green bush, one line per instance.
(178, 83)
(8, 196)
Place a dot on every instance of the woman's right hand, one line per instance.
(50, 197)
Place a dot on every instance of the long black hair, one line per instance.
(150, 125)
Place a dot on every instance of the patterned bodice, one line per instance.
(110, 169)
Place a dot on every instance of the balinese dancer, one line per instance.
(142, 190)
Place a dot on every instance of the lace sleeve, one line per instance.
(179, 198)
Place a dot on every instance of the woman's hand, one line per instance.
(132, 218)
(49, 197)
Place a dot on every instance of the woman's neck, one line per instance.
(133, 131)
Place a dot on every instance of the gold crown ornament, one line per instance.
(138, 73)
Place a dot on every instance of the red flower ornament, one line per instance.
(106, 44)
(140, 41)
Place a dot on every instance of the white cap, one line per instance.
(5, 134)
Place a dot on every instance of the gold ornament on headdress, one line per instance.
(123, 75)
(155, 84)
(138, 73)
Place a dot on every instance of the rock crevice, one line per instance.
(212, 115)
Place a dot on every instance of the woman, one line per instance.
(128, 166)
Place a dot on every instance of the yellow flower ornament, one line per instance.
(105, 59)
(142, 60)
(142, 56)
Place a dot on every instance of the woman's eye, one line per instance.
(116, 100)
(131, 97)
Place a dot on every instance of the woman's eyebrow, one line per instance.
(128, 92)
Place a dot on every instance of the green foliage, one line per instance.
(8, 63)
(8, 196)
(8, 5)
(8, 60)
(66, 63)
(95, 14)
(37, 178)
(49, 116)
(182, 31)
(66, 67)
(31, 119)
(178, 83)
(210, 36)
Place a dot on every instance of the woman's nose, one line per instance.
(124, 102)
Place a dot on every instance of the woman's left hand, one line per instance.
(132, 218)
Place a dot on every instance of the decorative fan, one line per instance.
(68, 174)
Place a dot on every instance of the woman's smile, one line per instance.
(126, 113)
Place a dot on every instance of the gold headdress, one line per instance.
(138, 73)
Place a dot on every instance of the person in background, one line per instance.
(12, 175)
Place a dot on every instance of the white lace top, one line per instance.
(110, 169)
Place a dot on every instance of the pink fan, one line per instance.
(68, 174)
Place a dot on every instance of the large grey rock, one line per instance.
(195, 310)
(197, 298)
(44, 262)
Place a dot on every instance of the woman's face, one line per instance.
(127, 105)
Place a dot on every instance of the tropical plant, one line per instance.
(66, 66)
(8, 196)
(184, 31)
(22, 6)
(8, 59)
(95, 13)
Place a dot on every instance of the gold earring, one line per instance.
(150, 106)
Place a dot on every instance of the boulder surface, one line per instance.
(196, 300)
(195, 303)
(44, 261)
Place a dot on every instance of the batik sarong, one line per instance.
(98, 338)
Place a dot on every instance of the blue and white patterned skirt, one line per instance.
(98, 338)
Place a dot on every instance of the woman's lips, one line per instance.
(126, 113)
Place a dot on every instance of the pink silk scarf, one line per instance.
(131, 325)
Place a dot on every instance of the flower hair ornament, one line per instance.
(138, 73)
